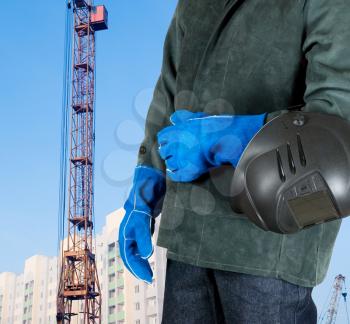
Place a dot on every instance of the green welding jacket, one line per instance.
(247, 57)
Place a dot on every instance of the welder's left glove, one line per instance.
(141, 208)
(194, 144)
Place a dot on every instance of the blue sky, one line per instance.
(128, 63)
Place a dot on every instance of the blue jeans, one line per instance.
(206, 296)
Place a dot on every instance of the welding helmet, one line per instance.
(295, 173)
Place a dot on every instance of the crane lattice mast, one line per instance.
(339, 284)
(79, 289)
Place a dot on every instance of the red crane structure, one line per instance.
(79, 289)
(339, 290)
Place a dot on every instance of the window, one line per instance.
(111, 262)
(152, 301)
(111, 277)
(111, 247)
(137, 321)
(137, 306)
(137, 289)
(111, 310)
(111, 293)
(152, 320)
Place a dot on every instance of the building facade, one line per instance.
(30, 298)
(126, 299)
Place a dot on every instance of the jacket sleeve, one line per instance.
(162, 105)
(327, 50)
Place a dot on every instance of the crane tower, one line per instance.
(338, 291)
(79, 289)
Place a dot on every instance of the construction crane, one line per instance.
(79, 290)
(339, 290)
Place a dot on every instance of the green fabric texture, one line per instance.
(247, 57)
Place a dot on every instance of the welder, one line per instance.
(229, 68)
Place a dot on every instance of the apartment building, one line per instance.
(7, 297)
(126, 299)
(30, 298)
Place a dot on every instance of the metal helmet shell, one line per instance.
(295, 173)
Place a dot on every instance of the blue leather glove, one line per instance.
(136, 229)
(194, 143)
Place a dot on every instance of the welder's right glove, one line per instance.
(195, 143)
(135, 232)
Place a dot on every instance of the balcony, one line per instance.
(111, 269)
(111, 253)
(151, 291)
(111, 285)
(120, 282)
(151, 310)
(112, 301)
(120, 266)
(120, 299)
(112, 318)
(120, 316)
